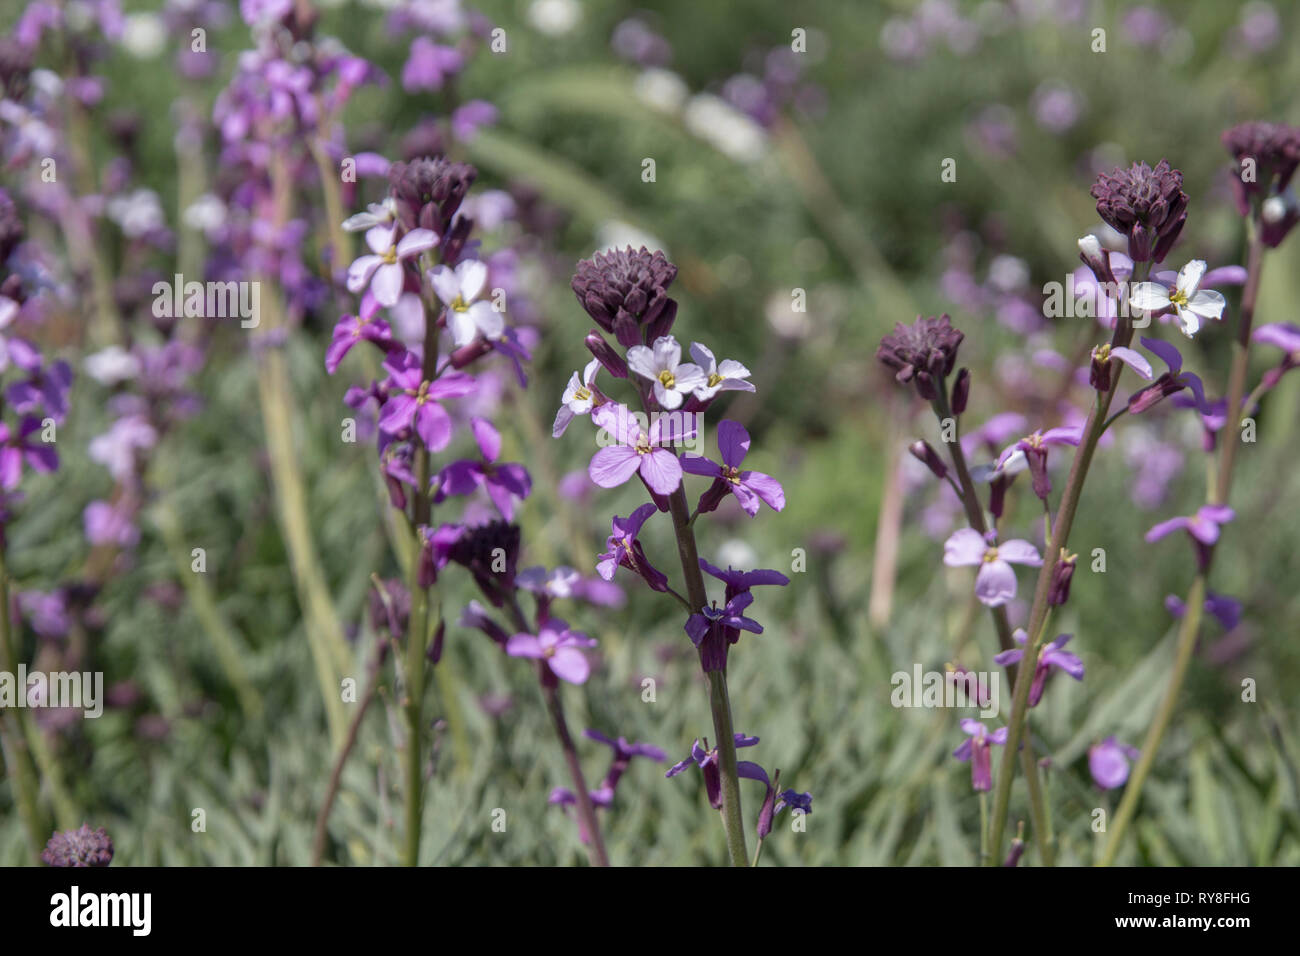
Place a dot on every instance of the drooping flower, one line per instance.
(995, 583)
(579, 397)
(923, 352)
(1099, 373)
(1050, 656)
(662, 364)
(707, 761)
(749, 487)
(978, 750)
(1204, 526)
(503, 482)
(1172, 381)
(1108, 762)
(1033, 450)
(623, 549)
(623, 753)
(725, 376)
(467, 314)
(558, 648)
(1226, 610)
(1190, 303)
(79, 848)
(1146, 205)
(413, 400)
(636, 451)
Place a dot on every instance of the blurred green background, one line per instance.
(840, 197)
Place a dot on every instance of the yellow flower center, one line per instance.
(1102, 353)
(990, 555)
(390, 257)
(582, 394)
(642, 445)
(714, 380)
(732, 475)
(459, 305)
(666, 378)
(1178, 297)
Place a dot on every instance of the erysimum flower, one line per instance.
(1108, 763)
(1147, 205)
(707, 761)
(1204, 526)
(673, 379)
(1050, 656)
(1172, 381)
(995, 584)
(749, 487)
(1190, 303)
(384, 270)
(79, 848)
(623, 548)
(352, 329)
(637, 450)
(579, 398)
(503, 483)
(413, 400)
(923, 352)
(467, 315)
(1033, 450)
(978, 750)
(725, 376)
(558, 648)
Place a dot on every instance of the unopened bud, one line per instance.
(609, 358)
(961, 391)
(923, 452)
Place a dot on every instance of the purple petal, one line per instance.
(613, 465)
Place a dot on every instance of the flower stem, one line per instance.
(719, 700)
(1092, 432)
(16, 756)
(586, 809)
(1160, 723)
(1237, 374)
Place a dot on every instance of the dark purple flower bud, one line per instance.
(1059, 590)
(429, 191)
(11, 226)
(490, 552)
(1146, 205)
(629, 284)
(998, 494)
(1267, 156)
(471, 353)
(923, 452)
(924, 352)
(767, 812)
(961, 391)
(15, 69)
(610, 360)
(78, 848)
(1017, 848)
(1097, 259)
(434, 653)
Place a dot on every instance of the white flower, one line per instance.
(138, 213)
(467, 315)
(376, 214)
(554, 17)
(112, 365)
(663, 365)
(383, 271)
(579, 398)
(727, 376)
(1191, 306)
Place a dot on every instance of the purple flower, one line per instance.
(623, 754)
(558, 648)
(978, 750)
(1050, 656)
(467, 314)
(729, 615)
(663, 366)
(1172, 381)
(429, 65)
(79, 848)
(384, 270)
(47, 389)
(413, 400)
(469, 119)
(795, 801)
(623, 548)
(924, 352)
(636, 451)
(579, 398)
(1032, 449)
(1099, 376)
(749, 487)
(707, 761)
(1146, 205)
(1108, 763)
(18, 448)
(106, 525)
(352, 329)
(1203, 526)
(503, 483)
(995, 584)
(1226, 610)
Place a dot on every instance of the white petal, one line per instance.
(688, 377)
(415, 242)
(667, 352)
(589, 373)
(703, 357)
(730, 368)
(571, 389)
(472, 276)
(489, 321)
(1148, 297)
(1208, 304)
(463, 329)
(444, 284)
(1189, 322)
(642, 361)
(380, 238)
(667, 397)
(1189, 277)
(361, 270)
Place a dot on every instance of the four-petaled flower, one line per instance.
(384, 270)
(749, 487)
(1031, 452)
(725, 376)
(1049, 656)
(1174, 380)
(637, 450)
(352, 329)
(413, 400)
(1203, 526)
(503, 483)
(995, 584)
(467, 315)
(558, 648)
(978, 750)
(1183, 297)
(662, 364)
(707, 761)
(1108, 763)
(579, 398)
(622, 548)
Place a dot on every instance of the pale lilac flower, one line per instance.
(1191, 305)
(352, 329)
(1050, 656)
(503, 482)
(106, 525)
(1033, 450)
(412, 400)
(579, 398)
(1204, 526)
(623, 549)
(1172, 381)
(376, 214)
(637, 450)
(558, 648)
(662, 364)
(749, 487)
(430, 65)
(995, 584)
(116, 449)
(384, 270)
(725, 376)
(468, 119)
(978, 750)
(1108, 763)
(467, 314)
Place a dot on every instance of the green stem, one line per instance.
(719, 700)
(1231, 436)
(1160, 723)
(16, 756)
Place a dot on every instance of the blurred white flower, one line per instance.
(554, 17)
(144, 35)
(661, 90)
(112, 365)
(730, 131)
